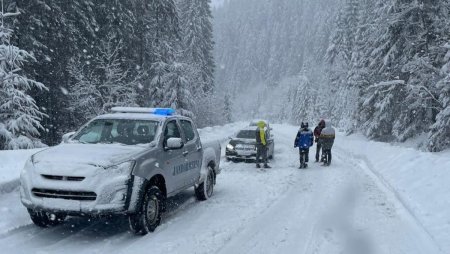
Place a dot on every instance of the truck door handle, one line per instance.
(185, 153)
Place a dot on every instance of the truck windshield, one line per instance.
(123, 131)
(247, 134)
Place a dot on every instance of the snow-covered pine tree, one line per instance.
(20, 117)
(102, 84)
(168, 84)
(402, 51)
(176, 89)
(380, 109)
(196, 29)
(340, 56)
(196, 32)
(343, 40)
(357, 77)
(56, 31)
(302, 101)
(439, 136)
(227, 108)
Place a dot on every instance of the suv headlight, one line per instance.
(124, 168)
(28, 167)
(230, 147)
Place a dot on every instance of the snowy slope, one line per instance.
(418, 179)
(363, 203)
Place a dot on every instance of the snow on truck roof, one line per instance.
(137, 113)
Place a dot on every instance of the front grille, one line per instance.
(72, 195)
(64, 178)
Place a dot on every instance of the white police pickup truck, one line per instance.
(126, 162)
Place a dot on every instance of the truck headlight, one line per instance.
(27, 168)
(230, 147)
(124, 168)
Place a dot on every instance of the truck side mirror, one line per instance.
(67, 136)
(174, 143)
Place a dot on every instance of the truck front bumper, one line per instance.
(97, 193)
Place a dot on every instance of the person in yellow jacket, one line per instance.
(261, 145)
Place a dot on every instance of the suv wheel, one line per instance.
(149, 217)
(205, 190)
(45, 219)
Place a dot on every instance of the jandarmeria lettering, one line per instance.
(179, 169)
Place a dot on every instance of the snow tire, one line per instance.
(148, 218)
(206, 189)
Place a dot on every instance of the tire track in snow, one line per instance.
(363, 163)
(253, 238)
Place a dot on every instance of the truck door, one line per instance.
(173, 158)
(193, 151)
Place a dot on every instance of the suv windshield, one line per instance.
(247, 134)
(123, 131)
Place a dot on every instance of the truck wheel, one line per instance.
(45, 219)
(134, 221)
(205, 190)
(152, 209)
(149, 217)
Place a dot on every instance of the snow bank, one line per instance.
(419, 179)
(11, 163)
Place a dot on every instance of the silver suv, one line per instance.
(127, 162)
(243, 145)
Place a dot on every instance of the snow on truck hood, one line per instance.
(91, 154)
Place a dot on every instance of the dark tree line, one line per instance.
(95, 54)
(395, 55)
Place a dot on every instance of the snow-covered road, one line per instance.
(344, 208)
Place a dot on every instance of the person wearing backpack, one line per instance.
(317, 132)
(304, 140)
(326, 139)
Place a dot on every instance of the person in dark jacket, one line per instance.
(261, 145)
(304, 140)
(317, 132)
(326, 140)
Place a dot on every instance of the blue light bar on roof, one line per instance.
(164, 111)
(155, 111)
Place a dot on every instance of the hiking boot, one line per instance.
(258, 166)
(305, 165)
(267, 166)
